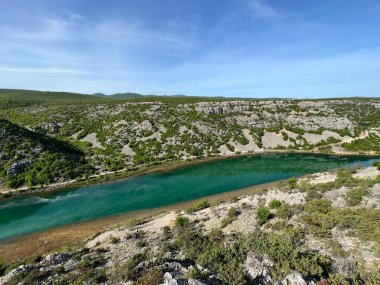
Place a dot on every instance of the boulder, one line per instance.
(57, 258)
(295, 278)
(195, 282)
(256, 266)
(18, 167)
(170, 280)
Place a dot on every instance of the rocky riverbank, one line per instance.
(319, 229)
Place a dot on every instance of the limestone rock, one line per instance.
(18, 167)
(256, 266)
(295, 279)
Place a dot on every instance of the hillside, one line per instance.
(117, 134)
(33, 158)
(316, 230)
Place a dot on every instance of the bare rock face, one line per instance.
(17, 167)
(146, 125)
(169, 279)
(19, 270)
(52, 128)
(195, 282)
(295, 279)
(57, 258)
(257, 266)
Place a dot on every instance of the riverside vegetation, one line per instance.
(319, 229)
(51, 137)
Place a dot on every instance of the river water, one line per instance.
(32, 213)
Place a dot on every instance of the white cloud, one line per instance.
(47, 70)
(261, 9)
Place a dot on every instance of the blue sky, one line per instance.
(248, 48)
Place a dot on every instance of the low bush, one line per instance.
(283, 212)
(182, 222)
(292, 182)
(130, 271)
(263, 214)
(318, 206)
(354, 196)
(115, 240)
(150, 277)
(363, 223)
(274, 204)
(2, 267)
(283, 249)
(231, 216)
(197, 207)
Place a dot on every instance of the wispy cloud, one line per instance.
(242, 48)
(261, 9)
(48, 70)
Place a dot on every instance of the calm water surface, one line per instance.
(23, 215)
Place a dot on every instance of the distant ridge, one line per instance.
(23, 96)
(127, 95)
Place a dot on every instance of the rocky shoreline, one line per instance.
(198, 246)
(156, 167)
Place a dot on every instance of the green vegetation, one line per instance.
(321, 206)
(49, 160)
(354, 196)
(200, 206)
(283, 211)
(292, 183)
(275, 204)
(182, 222)
(281, 246)
(90, 135)
(321, 218)
(371, 143)
(209, 251)
(263, 214)
(232, 215)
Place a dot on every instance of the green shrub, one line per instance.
(130, 271)
(230, 147)
(199, 206)
(338, 279)
(304, 186)
(274, 204)
(231, 216)
(354, 196)
(263, 214)
(292, 182)
(115, 240)
(283, 249)
(283, 212)
(150, 277)
(318, 206)
(231, 273)
(234, 199)
(167, 232)
(195, 273)
(2, 267)
(363, 223)
(11, 267)
(182, 222)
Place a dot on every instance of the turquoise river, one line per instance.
(27, 214)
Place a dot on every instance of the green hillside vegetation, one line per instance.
(293, 233)
(35, 159)
(122, 134)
